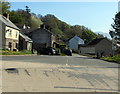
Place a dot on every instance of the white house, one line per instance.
(10, 34)
(74, 42)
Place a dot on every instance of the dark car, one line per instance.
(47, 51)
(51, 51)
(68, 52)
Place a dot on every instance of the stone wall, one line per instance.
(11, 45)
(104, 47)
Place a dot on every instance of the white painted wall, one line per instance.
(14, 32)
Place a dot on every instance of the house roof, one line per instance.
(8, 22)
(75, 36)
(32, 31)
(25, 37)
(93, 42)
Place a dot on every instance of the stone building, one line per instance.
(42, 38)
(99, 47)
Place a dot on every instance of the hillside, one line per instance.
(64, 31)
(60, 29)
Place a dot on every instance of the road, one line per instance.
(58, 74)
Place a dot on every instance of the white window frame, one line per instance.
(9, 32)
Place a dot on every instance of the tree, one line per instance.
(115, 32)
(17, 18)
(27, 16)
(27, 9)
(35, 21)
(22, 17)
(4, 6)
(88, 35)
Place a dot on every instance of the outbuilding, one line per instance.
(99, 47)
(74, 42)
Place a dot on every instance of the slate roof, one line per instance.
(93, 42)
(76, 37)
(25, 37)
(7, 22)
(39, 29)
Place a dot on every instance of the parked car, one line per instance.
(51, 51)
(47, 51)
(68, 52)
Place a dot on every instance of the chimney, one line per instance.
(42, 26)
(6, 15)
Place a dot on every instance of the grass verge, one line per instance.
(115, 58)
(6, 52)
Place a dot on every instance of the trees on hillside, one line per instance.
(88, 35)
(17, 17)
(24, 17)
(65, 31)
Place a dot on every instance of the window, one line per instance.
(9, 32)
(16, 34)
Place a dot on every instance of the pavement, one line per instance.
(75, 73)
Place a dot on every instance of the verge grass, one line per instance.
(115, 58)
(6, 52)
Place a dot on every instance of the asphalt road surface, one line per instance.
(58, 74)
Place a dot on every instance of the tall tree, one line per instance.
(115, 32)
(27, 16)
(4, 6)
(27, 9)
